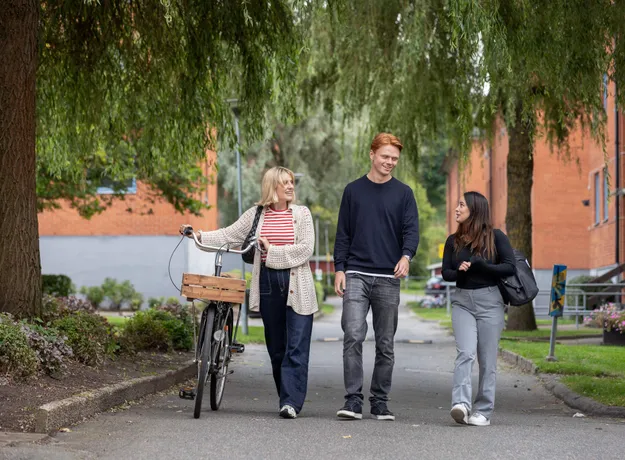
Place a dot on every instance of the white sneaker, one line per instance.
(288, 412)
(478, 419)
(460, 414)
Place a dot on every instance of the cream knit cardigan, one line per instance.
(302, 295)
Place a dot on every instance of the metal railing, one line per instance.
(573, 291)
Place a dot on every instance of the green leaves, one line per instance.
(137, 89)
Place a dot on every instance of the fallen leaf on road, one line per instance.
(65, 430)
(348, 436)
(178, 411)
(578, 415)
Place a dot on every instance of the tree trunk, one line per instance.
(519, 214)
(20, 265)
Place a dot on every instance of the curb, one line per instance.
(518, 361)
(577, 401)
(558, 339)
(52, 416)
(561, 391)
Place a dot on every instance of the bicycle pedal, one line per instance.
(237, 348)
(187, 393)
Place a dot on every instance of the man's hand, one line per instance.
(339, 283)
(402, 267)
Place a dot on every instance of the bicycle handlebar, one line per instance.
(225, 248)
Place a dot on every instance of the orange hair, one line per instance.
(385, 139)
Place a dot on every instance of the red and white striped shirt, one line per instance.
(278, 228)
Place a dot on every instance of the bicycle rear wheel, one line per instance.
(218, 378)
(205, 359)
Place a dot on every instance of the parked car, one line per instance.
(434, 286)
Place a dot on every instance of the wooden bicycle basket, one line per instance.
(219, 289)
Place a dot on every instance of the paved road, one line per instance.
(527, 424)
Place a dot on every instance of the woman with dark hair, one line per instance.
(476, 257)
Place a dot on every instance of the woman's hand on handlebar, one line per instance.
(187, 230)
(264, 243)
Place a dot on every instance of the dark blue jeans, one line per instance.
(287, 335)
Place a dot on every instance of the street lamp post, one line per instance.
(234, 105)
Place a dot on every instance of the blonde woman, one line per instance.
(282, 283)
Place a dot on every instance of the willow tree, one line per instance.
(125, 86)
(453, 66)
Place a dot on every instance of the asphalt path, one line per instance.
(528, 422)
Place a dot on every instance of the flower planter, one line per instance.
(613, 338)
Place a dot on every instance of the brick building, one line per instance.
(125, 245)
(574, 201)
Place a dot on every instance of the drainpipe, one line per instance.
(490, 185)
(617, 174)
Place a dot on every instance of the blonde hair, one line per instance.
(272, 178)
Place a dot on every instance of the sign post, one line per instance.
(556, 305)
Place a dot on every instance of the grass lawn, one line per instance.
(607, 390)
(595, 371)
(256, 334)
(327, 309)
(547, 333)
(435, 314)
(117, 321)
(547, 322)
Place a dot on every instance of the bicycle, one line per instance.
(213, 356)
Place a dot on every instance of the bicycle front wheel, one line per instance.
(205, 358)
(218, 378)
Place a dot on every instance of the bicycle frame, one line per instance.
(215, 326)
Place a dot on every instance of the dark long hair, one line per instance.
(476, 232)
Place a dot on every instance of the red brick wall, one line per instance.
(162, 220)
(560, 220)
(560, 233)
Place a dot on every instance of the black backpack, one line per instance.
(520, 288)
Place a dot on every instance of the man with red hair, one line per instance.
(376, 237)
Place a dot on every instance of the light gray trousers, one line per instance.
(477, 319)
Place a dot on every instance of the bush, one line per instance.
(145, 332)
(609, 317)
(154, 302)
(57, 307)
(89, 335)
(164, 328)
(49, 346)
(179, 325)
(118, 294)
(136, 301)
(17, 358)
(57, 285)
(94, 294)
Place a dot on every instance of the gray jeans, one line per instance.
(382, 294)
(477, 319)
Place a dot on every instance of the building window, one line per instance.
(606, 194)
(597, 199)
(108, 187)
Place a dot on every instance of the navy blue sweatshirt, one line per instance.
(378, 223)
